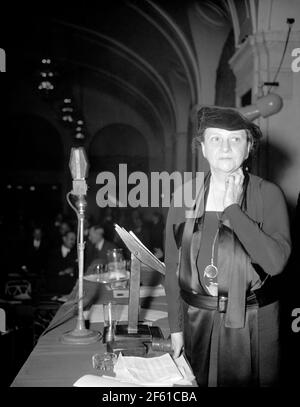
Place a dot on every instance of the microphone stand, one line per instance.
(80, 335)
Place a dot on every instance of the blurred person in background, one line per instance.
(156, 228)
(36, 251)
(61, 268)
(139, 228)
(97, 245)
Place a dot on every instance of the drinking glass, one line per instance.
(116, 267)
(104, 361)
(109, 320)
(99, 271)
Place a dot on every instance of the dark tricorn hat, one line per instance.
(225, 118)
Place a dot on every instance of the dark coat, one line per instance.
(222, 355)
(61, 284)
(92, 253)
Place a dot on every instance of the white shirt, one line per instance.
(100, 245)
(36, 243)
(64, 251)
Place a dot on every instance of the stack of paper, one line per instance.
(90, 380)
(155, 371)
(135, 371)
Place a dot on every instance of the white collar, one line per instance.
(100, 244)
(64, 250)
(36, 243)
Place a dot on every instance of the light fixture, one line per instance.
(67, 112)
(265, 106)
(46, 77)
(79, 130)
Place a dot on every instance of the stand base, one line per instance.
(145, 333)
(128, 347)
(133, 344)
(80, 337)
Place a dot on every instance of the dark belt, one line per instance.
(214, 303)
(220, 304)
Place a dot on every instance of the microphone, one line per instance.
(79, 168)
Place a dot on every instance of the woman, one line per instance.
(221, 263)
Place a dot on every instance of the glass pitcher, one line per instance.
(116, 267)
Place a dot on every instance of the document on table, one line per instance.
(137, 371)
(160, 370)
(147, 314)
(90, 380)
(95, 313)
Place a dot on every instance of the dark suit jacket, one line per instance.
(35, 258)
(56, 284)
(92, 253)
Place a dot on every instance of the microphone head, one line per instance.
(79, 168)
(78, 163)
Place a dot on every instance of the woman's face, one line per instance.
(225, 150)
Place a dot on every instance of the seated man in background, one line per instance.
(61, 270)
(97, 246)
(157, 235)
(140, 228)
(58, 229)
(36, 250)
(33, 259)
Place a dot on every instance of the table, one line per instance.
(54, 364)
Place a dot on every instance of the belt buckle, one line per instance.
(222, 303)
